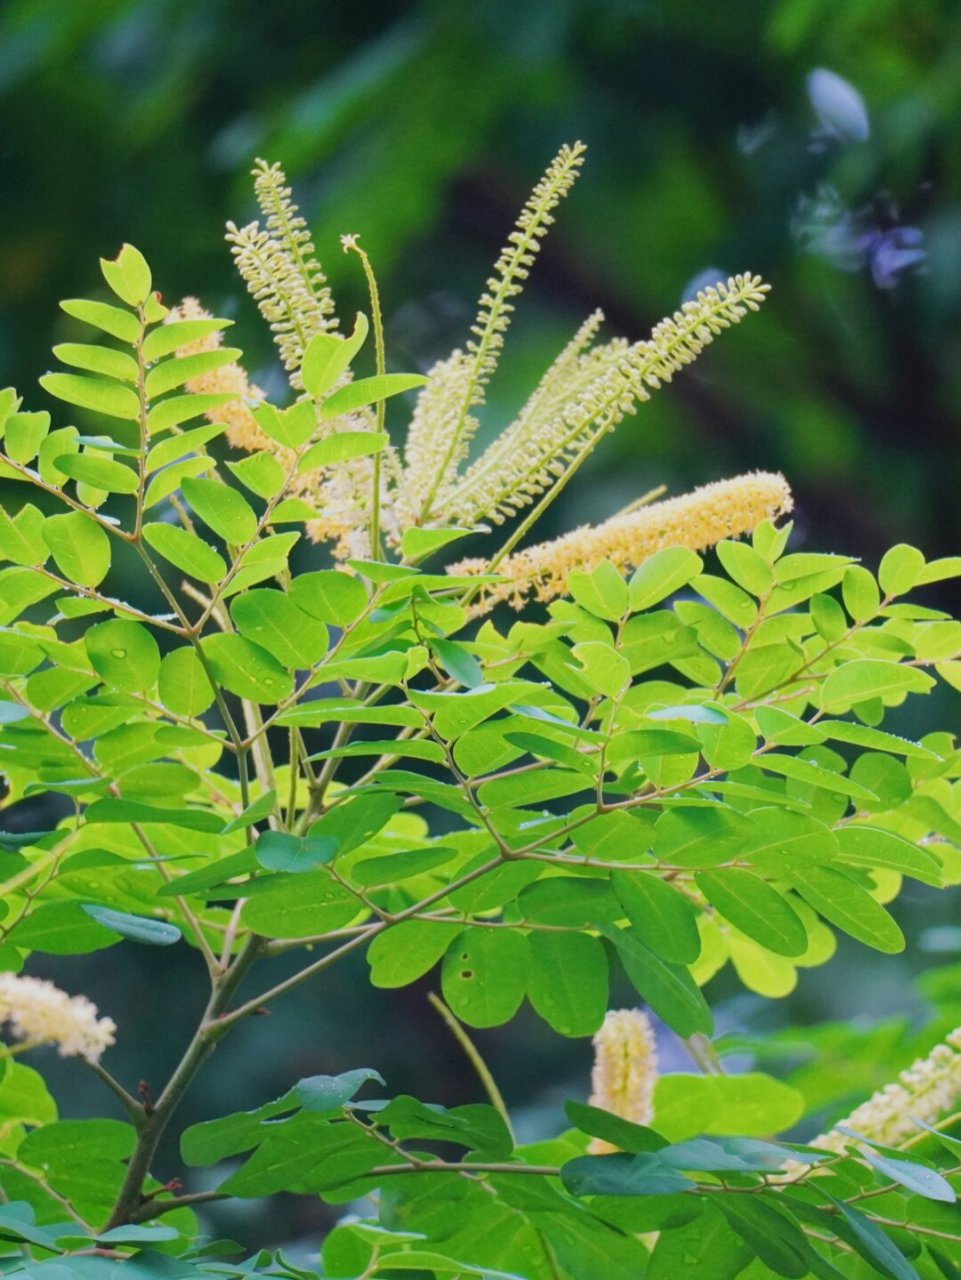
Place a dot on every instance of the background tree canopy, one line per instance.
(713, 149)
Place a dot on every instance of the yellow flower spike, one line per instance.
(625, 1070)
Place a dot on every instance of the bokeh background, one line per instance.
(815, 142)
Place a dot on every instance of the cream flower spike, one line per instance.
(40, 1013)
(625, 1070)
(925, 1091)
(725, 509)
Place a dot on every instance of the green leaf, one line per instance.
(745, 567)
(186, 552)
(261, 473)
(416, 543)
(916, 1178)
(166, 338)
(860, 592)
(621, 1133)
(484, 975)
(394, 868)
(170, 413)
(93, 359)
(113, 320)
(706, 1246)
(156, 933)
(864, 846)
(79, 547)
(864, 678)
(102, 473)
(63, 929)
(603, 668)
(364, 391)
(24, 434)
(875, 1245)
(183, 684)
(900, 570)
(290, 427)
(602, 592)
(278, 851)
(342, 446)
(458, 663)
(21, 536)
(222, 509)
(661, 575)
(126, 811)
(698, 837)
(271, 619)
(246, 669)
(775, 1238)
(325, 1095)
(405, 952)
(643, 1174)
(330, 595)
(668, 988)
(108, 398)
(298, 906)
(174, 372)
(844, 903)
(128, 276)
(662, 917)
(754, 907)
(567, 981)
(327, 357)
(124, 654)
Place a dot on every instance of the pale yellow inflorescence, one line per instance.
(929, 1089)
(40, 1013)
(625, 1070)
(229, 379)
(724, 509)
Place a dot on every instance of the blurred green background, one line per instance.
(422, 126)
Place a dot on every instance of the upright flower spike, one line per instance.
(280, 270)
(625, 1070)
(724, 509)
(443, 426)
(589, 395)
(40, 1013)
(927, 1090)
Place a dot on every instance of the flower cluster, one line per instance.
(697, 520)
(40, 1013)
(625, 1070)
(926, 1091)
